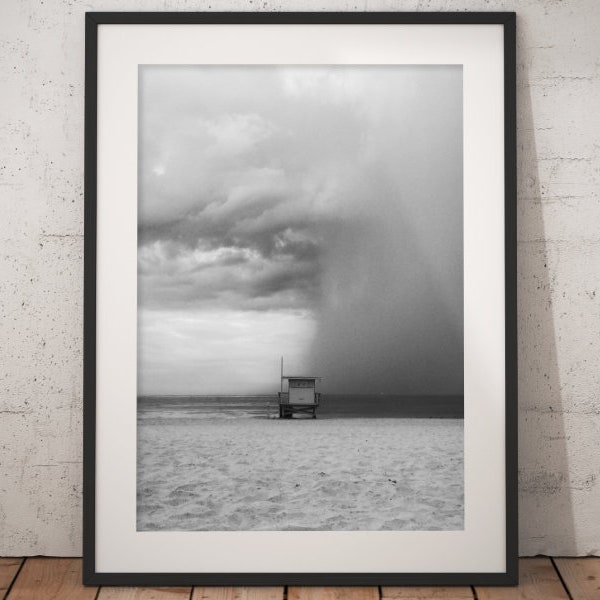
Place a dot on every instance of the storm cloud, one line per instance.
(314, 212)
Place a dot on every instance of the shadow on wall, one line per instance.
(545, 503)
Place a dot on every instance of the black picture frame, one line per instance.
(91, 576)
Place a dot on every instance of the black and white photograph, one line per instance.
(300, 360)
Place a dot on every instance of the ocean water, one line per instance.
(173, 409)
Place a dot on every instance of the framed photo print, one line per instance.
(300, 313)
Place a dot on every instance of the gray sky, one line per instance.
(310, 212)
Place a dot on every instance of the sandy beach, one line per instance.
(222, 474)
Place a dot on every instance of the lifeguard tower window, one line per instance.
(302, 391)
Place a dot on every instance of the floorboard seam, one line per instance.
(564, 583)
(14, 579)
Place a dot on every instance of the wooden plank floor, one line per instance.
(60, 579)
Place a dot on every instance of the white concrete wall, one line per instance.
(41, 268)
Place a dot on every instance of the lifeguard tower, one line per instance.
(301, 396)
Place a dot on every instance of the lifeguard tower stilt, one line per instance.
(302, 396)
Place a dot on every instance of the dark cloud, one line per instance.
(330, 193)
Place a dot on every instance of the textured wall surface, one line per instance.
(41, 268)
